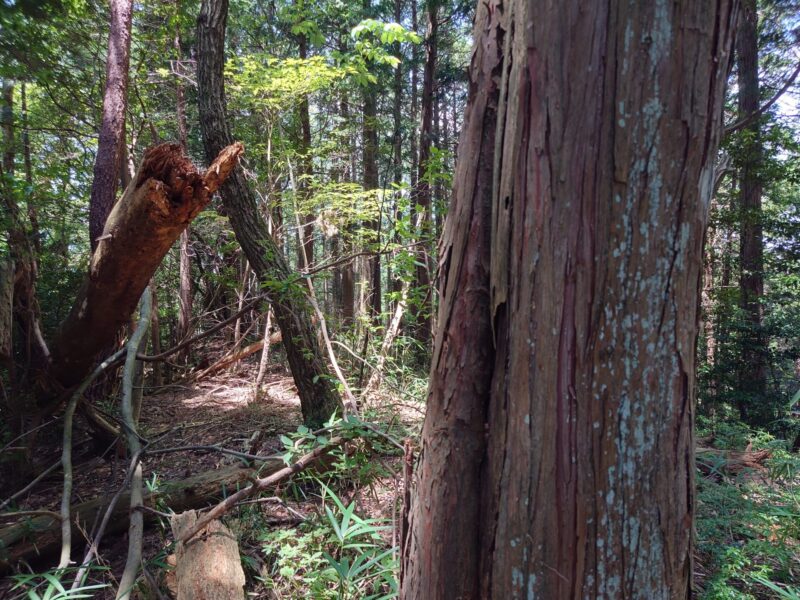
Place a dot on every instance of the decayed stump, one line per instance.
(166, 194)
(207, 566)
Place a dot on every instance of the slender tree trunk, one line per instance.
(348, 278)
(371, 184)
(9, 141)
(557, 451)
(185, 294)
(26, 155)
(414, 97)
(753, 370)
(30, 344)
(305, 251)
(112, 130)
(155, 339)
(422, 305)
(318, 397)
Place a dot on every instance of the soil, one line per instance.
(216, 411)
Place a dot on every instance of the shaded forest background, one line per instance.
(350, 115)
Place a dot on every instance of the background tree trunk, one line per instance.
(185, 294)
(421, 306)
(305, 250)
(583, 486)
(753, 370)
(112, 130)
(372, 267)
(318, 396)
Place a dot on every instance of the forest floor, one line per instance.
(216, 411)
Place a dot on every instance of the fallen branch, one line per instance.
(41, 535)
(259, 485)
(730, 462)
(228, 360)
(66, 457)
(745, 121)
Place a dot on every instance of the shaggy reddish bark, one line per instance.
(753, 373)
(557, 452)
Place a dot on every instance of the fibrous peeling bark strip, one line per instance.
(166, 194)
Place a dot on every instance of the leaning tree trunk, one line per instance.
(112, 130)
(558, 462)
(318, 396)
(166, 194)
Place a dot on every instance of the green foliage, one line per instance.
(264, 82)
(339, 555)
(748, 527)
(53, 585)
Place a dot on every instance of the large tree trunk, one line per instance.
(753, 369)
(558, 461)
(318, 396)
(166, 194)
(112, 130)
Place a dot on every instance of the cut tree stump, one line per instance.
(208, 566)
(40, 536)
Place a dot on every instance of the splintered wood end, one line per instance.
(222, 166)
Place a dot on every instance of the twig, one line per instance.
(214, 448)
(31, 513)
(276, 500)
(98, 537)
(259, 485)
(152, 582)
(36, 480)
(199, 336)
(355, 255)
(22, 435)
(746, 120)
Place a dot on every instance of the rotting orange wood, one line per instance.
(166, 194)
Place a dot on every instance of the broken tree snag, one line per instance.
(208, 567)
(166, 194)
